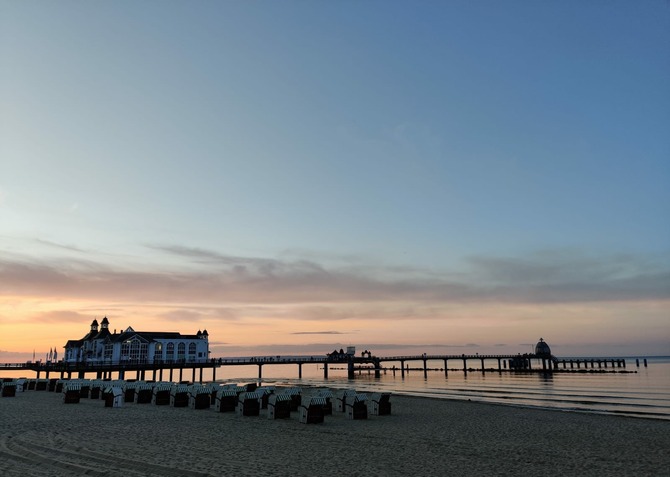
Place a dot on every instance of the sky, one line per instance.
(300, 176)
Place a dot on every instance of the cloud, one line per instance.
(547, 277)
(61, 316)
(318, 333)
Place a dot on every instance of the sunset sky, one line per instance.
(298, 176)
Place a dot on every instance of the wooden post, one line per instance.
(260, 371)
(299, 370)
(465, 365)
(425, 368)
(446, 368)
(402, 368)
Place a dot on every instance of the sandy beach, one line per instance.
(42, 436)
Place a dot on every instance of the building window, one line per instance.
(158, 352)
(109, 351)
(181, 351)
(191, 351)
(169, 352)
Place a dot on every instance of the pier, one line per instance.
(178, 371)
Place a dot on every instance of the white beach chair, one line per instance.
(200, 396)
(279, 406)
(356, 406)
(311, 410)
(114, 396)
(160, 394)
(340, 398)
(248, 404)
(179, 395)
(226, 398)
(379, 404)
(72, 392)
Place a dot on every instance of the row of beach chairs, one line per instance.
(24, 384)
(247, 400)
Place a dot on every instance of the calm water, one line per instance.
(640, 392)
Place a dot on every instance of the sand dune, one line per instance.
(41, 436)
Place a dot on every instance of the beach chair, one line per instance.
(356, 406)
(160, 394)
(59, 385)
(41, 384)
(279, 406)
(21, 384)
(144, 393)
(340, 398)
(266, 392)
(296, 397)
(52, 384)
(248, 404)
(96, 388)
(29, 385)
(84, 388)
(311, 410)
(214, 389)
(379, 404)
(72, 393)
(9, 389)
(328, 395)
(114, 396)
(179, 395)
(226, 399)
(200, 397)
(129, 389)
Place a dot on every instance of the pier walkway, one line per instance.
(169, 370)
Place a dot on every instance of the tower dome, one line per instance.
(542, 348)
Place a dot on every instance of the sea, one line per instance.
(636, 391)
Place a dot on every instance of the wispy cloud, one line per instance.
(318, 333)
(539, 278)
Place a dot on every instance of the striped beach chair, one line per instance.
(340, 398)
(279, 406)
(144, 393)
(72, 392)
(84, 388)
(379, 404)
(200, 396)
(248, 404)
(328, 394)
(266, 392)
(179, 395)
(97, 385)
(114, 396)
(226, 398)
(160, 394)
(8, 388)
(356, 406)
(311, 410)
(129, 390)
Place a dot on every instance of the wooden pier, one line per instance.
(177, 370)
